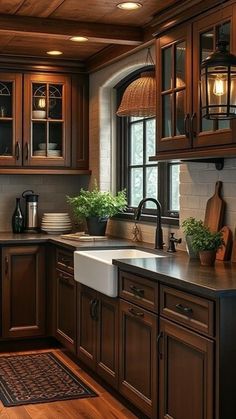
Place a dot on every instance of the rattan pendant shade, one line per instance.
(139, 98)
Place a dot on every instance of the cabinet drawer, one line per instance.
(65, 261)
(192, 311)
(139, 290)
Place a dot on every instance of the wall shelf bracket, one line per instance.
(219, 162)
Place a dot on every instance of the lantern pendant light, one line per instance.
(139, 98)
(218, 83)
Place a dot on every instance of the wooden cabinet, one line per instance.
(138, 329)
(10, 119)
(23, 291)
(47, 120)
(37, 126)
(137, 357)
(66, 310)
(98, 333)
(65, 299)
(186, 376)
(183, 132)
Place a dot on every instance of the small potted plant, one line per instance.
(96, 207)
(207, 243)
(190, 227)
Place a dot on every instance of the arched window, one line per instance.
(136, 142)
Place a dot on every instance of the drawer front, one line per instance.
(139, 290)
(195, 312)
(65, 261)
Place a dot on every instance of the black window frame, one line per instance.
(122, 153)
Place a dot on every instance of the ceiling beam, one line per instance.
(64, 29)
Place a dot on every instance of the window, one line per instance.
(141, 177)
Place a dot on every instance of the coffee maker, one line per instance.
(31, 211)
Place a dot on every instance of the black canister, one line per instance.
(17, 218)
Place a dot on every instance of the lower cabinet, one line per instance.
(65, 319)
(138, 357)
(23, 291)
(186, 362)
(97, 335)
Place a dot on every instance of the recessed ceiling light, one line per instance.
(78, 39)
(54, 52)
(128, 5)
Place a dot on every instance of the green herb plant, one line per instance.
(96, 203)
(204, 239)
(191, 226)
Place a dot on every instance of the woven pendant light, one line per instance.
(139, 98)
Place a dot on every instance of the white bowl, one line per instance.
(51, 146)
(39, 114)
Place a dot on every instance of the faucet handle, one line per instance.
(172, 242)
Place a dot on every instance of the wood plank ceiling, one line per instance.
(33, 27)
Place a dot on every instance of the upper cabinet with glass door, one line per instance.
(182, 131)
(47, 126)
(206, 33)
(173, 90)
(10, 119)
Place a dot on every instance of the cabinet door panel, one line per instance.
(173, 90)
(186, 373)
(10, 119)
(47, 120)
(66, 310)
(206, 34)
(107, 339)
(86, 348)
(138, 367)
(23, 291)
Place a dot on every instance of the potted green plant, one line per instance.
(96, 207)
(190, 227)
(207, 243)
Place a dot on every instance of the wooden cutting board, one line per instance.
(224, 253)
(215, 210)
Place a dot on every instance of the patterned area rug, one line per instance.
(38, 378)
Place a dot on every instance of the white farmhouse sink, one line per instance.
(94, 267)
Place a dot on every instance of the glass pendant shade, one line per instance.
(218, 84)
(139, 98)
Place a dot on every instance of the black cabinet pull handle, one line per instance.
(6, 265)
(91, 309)
(193, 130)
(95, 309)
(185, 310)
(160, 355)
(64, 277)
(17, 150)
(137, 291)
(26, 151)
(186, 125)
(136, 313)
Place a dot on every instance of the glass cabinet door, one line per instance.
(48, 122)
(10, 119)
(174, 82)
(206, 33)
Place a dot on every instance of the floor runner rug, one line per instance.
(38, 378)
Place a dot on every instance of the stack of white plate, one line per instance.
(56, 222)
(51, 153)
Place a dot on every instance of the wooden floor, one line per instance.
(105, 406)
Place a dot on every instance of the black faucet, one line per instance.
(137, 215)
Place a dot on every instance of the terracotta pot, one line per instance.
(96, 226)
(207, 257)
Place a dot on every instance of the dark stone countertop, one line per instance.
(174, 269)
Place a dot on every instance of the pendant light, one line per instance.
(218, 83)
(139, 98)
